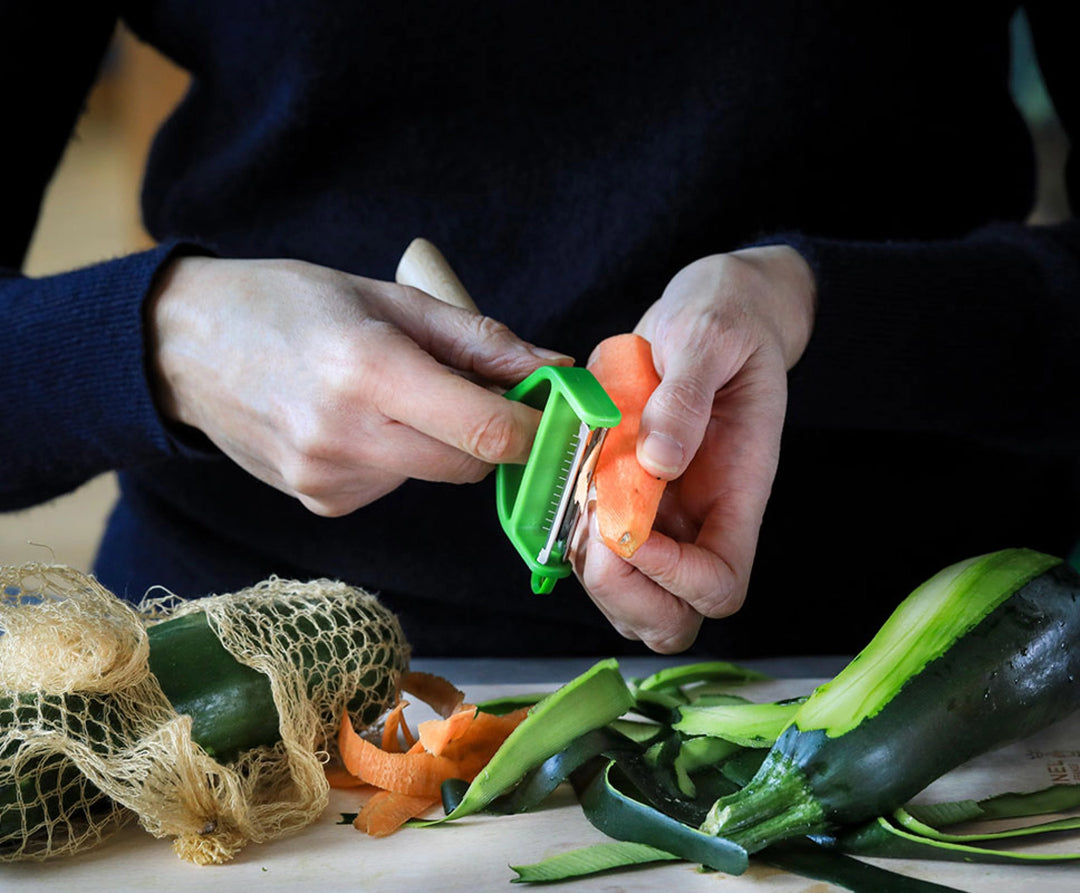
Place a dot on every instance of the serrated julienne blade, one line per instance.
(569, 502)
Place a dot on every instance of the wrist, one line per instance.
(173, 320)
(790, 288)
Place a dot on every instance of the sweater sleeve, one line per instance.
(74, 386)
(73, 380)
(975, 337)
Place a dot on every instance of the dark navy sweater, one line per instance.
(569, 158)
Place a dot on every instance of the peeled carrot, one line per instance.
(627, 496)
(341, 778)
(473, 749)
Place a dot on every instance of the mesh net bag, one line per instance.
(89, 741)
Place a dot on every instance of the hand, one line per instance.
(724, 334)
(334, 388)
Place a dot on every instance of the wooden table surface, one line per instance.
(474, 854)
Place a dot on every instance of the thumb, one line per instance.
(677, 414)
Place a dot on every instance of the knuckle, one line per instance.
(489, 329)
(494, 439)
(366, 347)
(626, 630)
(673, 641)
(722, 600)
(461, 469)
(304, 478)
(673, 629)
(682, 400)
(326, 508)
(482, 335)
(473, 471)
(311, 441)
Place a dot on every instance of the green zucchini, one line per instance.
(985, 652)
(231, 705)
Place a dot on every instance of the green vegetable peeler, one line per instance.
(540, 501)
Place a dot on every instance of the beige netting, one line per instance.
(88, 740)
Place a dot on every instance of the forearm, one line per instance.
(974, 337)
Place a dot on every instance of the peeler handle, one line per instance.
(530, 498)
(423, 266)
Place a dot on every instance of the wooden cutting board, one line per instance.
(474, 854)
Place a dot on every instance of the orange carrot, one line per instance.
(387, 811)
(472, 750)
(627, 496)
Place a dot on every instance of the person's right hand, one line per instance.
(335, 388)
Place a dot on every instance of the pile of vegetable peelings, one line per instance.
(675, 766)
(679, 766)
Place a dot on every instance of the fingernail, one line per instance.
(663, 453)
(551, 356)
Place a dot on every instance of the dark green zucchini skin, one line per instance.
(231, 705)
(1014, 673)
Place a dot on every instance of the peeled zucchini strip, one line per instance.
(915, 831)
(692, 674)
(919, 825)
(1012, 805)
(882, 838)
(621, 816)
(807, 861)
(541, 781)
(909, 823)
(589, 860)
(817, 863)
(593, 699)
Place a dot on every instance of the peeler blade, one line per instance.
(569, 502)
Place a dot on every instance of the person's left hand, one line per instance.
(724, 334)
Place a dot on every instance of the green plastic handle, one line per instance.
(526, 495)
